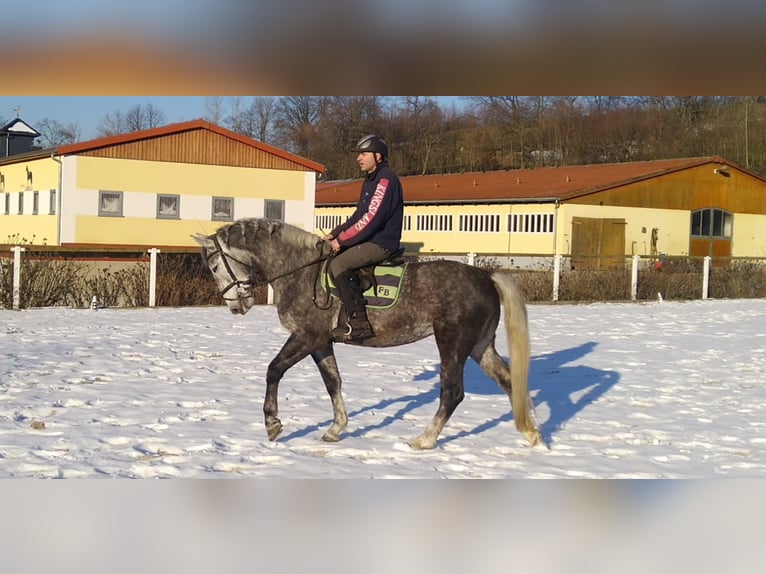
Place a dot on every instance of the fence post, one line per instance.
(556, 276)
(706, 277)
(153, 276)
(634, 279)
(471, 259)
(17, 251)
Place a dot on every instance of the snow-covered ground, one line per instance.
(622, 390)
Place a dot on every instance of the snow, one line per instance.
(621, 390)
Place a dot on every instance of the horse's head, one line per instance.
(230, 268)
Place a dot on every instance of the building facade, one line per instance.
(595, 214)
(151, 188)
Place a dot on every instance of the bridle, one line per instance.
(245, 287)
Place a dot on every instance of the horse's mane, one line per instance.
(289, 234)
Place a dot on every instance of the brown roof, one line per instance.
(169, 129)
(523, 185)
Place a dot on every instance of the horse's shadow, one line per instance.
(564, 389)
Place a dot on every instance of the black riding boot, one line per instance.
(353, 324)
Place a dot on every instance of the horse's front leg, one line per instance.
(328, 368)
(291, 353)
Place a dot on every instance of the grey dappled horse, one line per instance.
(456, 303)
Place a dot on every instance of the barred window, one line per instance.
(223, 209)
(52, 202)
(274, 209)
(486, 223)
(35, 202)
(168, 206)
(7, 203)
(530, 223)
(327, 223)
(110, 203)
(434, 222)
(407, 223)
(21, 203)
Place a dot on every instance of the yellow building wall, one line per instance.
(673, 227)
(28, 228)
(187, 179)
(141, 182)
(749, 235)
(455, 241)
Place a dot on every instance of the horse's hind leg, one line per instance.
(328, 368)
(497, 369)
(450, 396)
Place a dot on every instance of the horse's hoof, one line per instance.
(421, 443)
(533, 436)
(274, 429)
(330, 437)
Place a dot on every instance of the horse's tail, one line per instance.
(515, 316)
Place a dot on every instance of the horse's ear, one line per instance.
(203, 240)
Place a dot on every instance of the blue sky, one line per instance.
(88, 111)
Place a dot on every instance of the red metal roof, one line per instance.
(75, 148)
(522, 185)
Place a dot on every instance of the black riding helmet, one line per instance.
(372, 143)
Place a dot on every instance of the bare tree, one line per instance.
(214, 106)
(53, 134)
(139, 117)
(255, 120)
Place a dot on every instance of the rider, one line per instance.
(370, 235)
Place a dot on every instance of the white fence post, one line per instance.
(17, 251)
(269, 294)
(634, 279)
(153, 276)
(556, 276)
(706, 277)
(471, 259)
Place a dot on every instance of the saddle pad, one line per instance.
(388, 280)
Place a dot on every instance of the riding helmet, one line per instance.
(372, 143)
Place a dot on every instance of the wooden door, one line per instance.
(598, 243)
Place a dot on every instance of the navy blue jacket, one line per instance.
(379, 213)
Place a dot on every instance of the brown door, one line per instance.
(715, 247)
(598, 243)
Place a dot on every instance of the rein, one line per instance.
(241, 285)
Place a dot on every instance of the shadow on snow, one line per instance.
(563, 388)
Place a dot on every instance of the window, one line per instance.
(52, 205)
(21, 203)
(407, 223)
(489, 223)
(530, 223)
(168, 206)
(433, 222)
(223, 209)
(711, 222)
(274, 209)
(327, 223)
(110, 203)
(35, 202)
(7, 203)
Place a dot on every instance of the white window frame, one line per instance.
(270, 204)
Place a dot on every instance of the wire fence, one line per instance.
(44, 277)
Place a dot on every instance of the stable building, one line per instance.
(595, 214)
(150, 188)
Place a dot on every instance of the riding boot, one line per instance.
(353, 324)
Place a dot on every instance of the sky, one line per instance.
(88, 111)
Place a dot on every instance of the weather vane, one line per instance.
(17, 109)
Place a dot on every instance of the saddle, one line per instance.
(380, 282)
